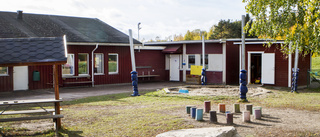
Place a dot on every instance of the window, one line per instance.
(191, 60)
(113, 63)
(98, 64)
(83, 64)
(3, 71)
(68, 69)
(205, 61)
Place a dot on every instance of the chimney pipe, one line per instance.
(19, 14)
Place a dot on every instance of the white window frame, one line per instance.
(102, 63)
(87, 64)
(73, 69)
(7, 72)
(117, 72)
(187, 62)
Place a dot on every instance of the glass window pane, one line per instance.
(83, 63)
(3, 70)
(191, 60)
(98, 65)
(69, 67)
(205, 61)
(113, 63)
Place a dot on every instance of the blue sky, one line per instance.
(161, 18)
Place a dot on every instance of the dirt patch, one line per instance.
(219, 90)
(274, 122)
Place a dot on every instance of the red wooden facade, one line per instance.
(6, 82)
(281, 64)
(213, 77)
(232, 63)
(152, 62)
(124, 60)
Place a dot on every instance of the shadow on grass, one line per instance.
(10, 132)
(63, 132)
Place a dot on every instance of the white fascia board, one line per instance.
(150, 47)
(101, 44)
(264, 42)
(181, 42)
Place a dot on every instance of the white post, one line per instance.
(133, 62)
(296, 58)
(243, 49)
(92, 64)
(184, 56)
(203, 53)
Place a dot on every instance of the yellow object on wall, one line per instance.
(195, 70)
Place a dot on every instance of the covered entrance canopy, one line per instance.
(35, 51)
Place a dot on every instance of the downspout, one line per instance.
(92, 64)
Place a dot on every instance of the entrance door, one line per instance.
(20, 78)
(255, 68)
(268, 64)
(174, 68)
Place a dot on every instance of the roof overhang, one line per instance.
(181, 42)
(100, 44)
(258, 42)
(172, 49)
(150, 47)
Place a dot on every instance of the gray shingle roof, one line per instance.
(32, 50)
(77, 29)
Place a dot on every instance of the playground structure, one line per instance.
(313, 76)
(198, 113)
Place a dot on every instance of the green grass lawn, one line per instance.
(316, 62)
(151, 113)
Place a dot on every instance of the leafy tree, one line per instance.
(295, 20)
(178, 37)
(195, 35)
(229, 29)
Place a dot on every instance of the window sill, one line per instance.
(4, 75)
(97, 74)
(80, 76)
(114, 73)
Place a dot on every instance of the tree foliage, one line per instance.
(229, 29)
(195, 35)
(295, 20)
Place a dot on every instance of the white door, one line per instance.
(20, 78)
(267, 68)
(174, 68)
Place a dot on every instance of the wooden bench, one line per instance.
(29, 111)
(78, 82)
(31, 118)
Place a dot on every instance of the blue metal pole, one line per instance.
(243, 86)
(134, 79)
(203, 77)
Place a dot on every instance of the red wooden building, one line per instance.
(92, 45)
(100, 54)
(268, 66)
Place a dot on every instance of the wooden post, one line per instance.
(56, 93)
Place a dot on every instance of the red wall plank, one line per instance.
(6, 82)
(232, 63)
(210, 48)
(154, 59)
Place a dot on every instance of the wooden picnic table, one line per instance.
(55, 116)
